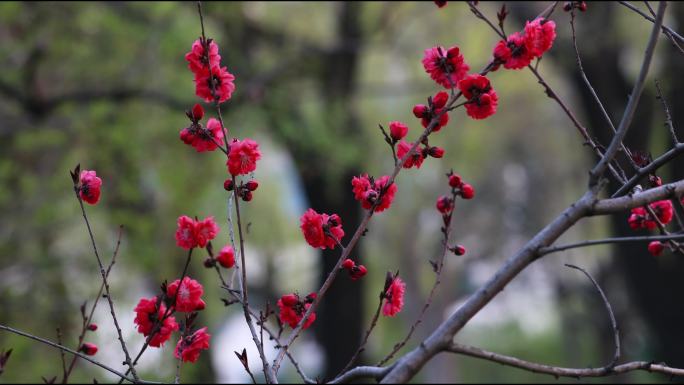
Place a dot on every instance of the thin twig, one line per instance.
(559, 371)
(613, 323)
(668, 117)
(362, 346)
(61, 353)
(64, 348)
(268, 373)
(650, 168)
(106, 285)
(669, 32)
(626, 120)
(554, 249)
(593, 92)
(428, 301)
(87, 321)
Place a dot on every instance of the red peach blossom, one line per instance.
(394, 298)
(90, 187)
(188, 297)
(205, 231)
(197, 59)
(482, 99)
(243, 156)
(185, 233)
(188, 348)
(416, 159)
(312, 223)
(540, 35)
(398, 130)
(446, 67)
(223, 87)
(148, 315)
(292, 310)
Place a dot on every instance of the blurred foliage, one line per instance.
(105, 85)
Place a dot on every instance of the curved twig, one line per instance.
(613, 322)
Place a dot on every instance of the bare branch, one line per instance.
(627, 116)
(613, 323)
(669, 32)
(65, 349)
(650, 168)
(554, 249)
(358, 372)
(560, 371)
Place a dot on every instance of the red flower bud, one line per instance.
(88, 349)
(228, 184)
(92, 327)
(455, 180)
(420, 110)
(583, 6)
(398, 130)
(436, 152)
(247, 196)
(311, 297)
(440, 99)
(656, 248)
(197, 112)
(444, 204)
(290, 300)
(467, 191)
(358, 272)
(348, 264)
(252, 185)
(459, 250)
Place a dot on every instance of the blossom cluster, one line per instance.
(520, 48)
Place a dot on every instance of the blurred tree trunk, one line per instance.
(324, 171)
(340, 313)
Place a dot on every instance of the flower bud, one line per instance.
(290, 300)
(247, 196)
(444, 204)
(252, 185)
(197, 112)
(398, 130)
(228, 184)
(92, 327)
(440, 99)
(656, 248)
(458, 250)
(420, 110)
(436, 152)
(358, 272)
(311, 297)
(455, 180)
(348, 264)
(467, 191)
(88, 349)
